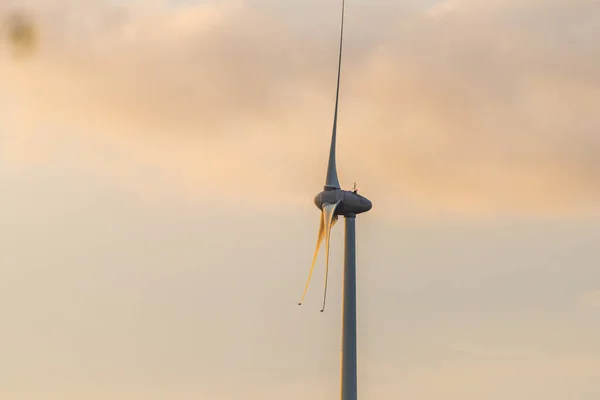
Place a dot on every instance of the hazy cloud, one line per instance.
(462, 106)
(590, 299)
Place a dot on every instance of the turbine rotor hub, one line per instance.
(351, 203)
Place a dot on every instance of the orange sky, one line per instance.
(157, 169)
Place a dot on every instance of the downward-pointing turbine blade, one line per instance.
(329, 218)
(320, 238)
(332, 181)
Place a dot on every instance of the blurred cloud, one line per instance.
(590, 299)
(461, 106)
(21, 34)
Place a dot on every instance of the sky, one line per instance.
(158, 161)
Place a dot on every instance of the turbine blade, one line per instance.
(332, 181)
(320, 238)
(330, 219)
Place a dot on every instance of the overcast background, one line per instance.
(158, 161)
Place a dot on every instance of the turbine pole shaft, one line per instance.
(349, 358)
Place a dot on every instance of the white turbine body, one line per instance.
(333, 202)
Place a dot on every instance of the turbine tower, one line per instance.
(333, 202)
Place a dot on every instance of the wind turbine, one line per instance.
(333, 202)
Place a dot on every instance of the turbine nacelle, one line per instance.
(350, 202)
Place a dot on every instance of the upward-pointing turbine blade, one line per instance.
(332, 181)
(329, 218)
